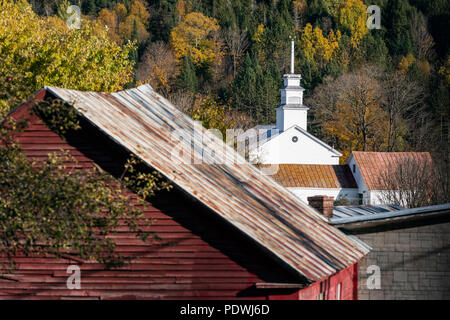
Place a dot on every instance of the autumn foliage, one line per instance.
(234, 53)
(44, 51)
(195, 36)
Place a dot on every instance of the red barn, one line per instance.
(234, 233)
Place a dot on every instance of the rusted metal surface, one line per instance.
(315, 176)
(143, 122)
(372, 165)
(275, 285)
(194, 257)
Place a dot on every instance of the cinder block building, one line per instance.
(410, 251)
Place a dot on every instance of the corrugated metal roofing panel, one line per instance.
(340, 212)
(144, 122)
(389, 213)
(315, 176)
(373, 164)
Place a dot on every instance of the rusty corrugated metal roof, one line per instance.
(315, 176)
(373, 164)
(143, 122)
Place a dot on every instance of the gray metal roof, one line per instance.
(342, 212)
(143, 122)
(353, 214)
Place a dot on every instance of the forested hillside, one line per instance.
(377, 90)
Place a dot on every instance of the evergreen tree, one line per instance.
(100, 4)
(162, 21)
(277, 34)
(256, 91)
(134, 33)
(134, 55)
(244, 90)
(188, 78)
(224, 13)
(311, 75)
(374, 50)
(400, 40)
(89, 7)
(269, 94)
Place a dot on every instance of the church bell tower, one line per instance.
(291, 111)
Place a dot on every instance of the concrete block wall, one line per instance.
(414, 263)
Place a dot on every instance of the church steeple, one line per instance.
(291, 111)
(292, 56)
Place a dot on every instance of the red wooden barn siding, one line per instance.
(205, 259)
(348, 278)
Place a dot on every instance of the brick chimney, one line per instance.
(323, 204)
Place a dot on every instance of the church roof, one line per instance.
(269, 135)
(315, 176)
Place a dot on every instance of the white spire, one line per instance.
(292, 57)
(291, 111)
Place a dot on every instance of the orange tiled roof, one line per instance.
(315, 176)
(372, 164)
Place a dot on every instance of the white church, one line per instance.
(288, 141)
(309, 167)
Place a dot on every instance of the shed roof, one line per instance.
(145, 123)
(365, 212)
(315, 176)
(373, 164)
(388, 215)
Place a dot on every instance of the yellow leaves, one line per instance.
(424, 67)
(182, 8)
(195, 36)
(120, 23)
(351, 15)
(445, 71)
(258, 40)
(37, 51)
(110, 20)
(126, 28)
(143, 183)
(3, 109)
(161, 76)
(300, 5)
(351, 112)
(257, 37)
(307, 42)
(212, 115)
(138, 14)
(139, 11)
(121, 11)
(316, 47)
(358, 125)
(405, 63)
